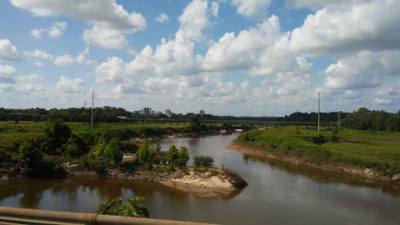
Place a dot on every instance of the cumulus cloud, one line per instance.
(193, 20)
(108, 21)
(251, 8)
(162, 17)
(54, 31)
(111, 71)
(76, 85)
(348, 28)
(7, 70)
(365, 69)
(5, 74)
(8, 52)
(39, 54)
(63, 60)
(81, 57)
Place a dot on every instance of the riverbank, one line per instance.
(203, 182)
(372, 156)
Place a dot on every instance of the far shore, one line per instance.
(361, 172)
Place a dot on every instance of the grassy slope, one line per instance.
(371, 149)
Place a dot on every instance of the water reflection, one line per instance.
(277, 193)
(326, 177)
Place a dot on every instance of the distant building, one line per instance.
(168, 112)
(201, 112)
(146, 111)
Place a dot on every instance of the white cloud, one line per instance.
(38, 63)
(81, 57)
(314, 4)
(37, 33)
(363, 70)
(108, 21)
(40, 54)
(162, 17)
(54, 31)
(8, 51)
(76, 85)
(251, 8)
(7, 70)
(111, 71)
(63, 60)
(214, 8)
(193, 20)
(349, 28)
(57, 29)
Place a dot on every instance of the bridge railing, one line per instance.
(10, 215)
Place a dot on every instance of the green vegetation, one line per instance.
(365, 119)
(116, 208)
(371, 149)
(203, 161)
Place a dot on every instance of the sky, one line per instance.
(227, 57)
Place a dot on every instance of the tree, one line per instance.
(29, 153)
(112, 151)
(173, 155)
(114, 207)
(145, 154)
(71, 147)
(183, 156)
(57, 133)
(203, 161)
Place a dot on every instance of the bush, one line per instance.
(183, 157)
(112, 151)
(203, 161)
(114, 207)
(145, 154)
(319, 139)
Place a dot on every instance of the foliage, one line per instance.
(319, 139)
(113, 152)
(364, 119)
(203, 161)
(370, 149)
(57, 133)
(173, 155)
(29, 152)
(145, 154)
(71, 147)
(183, 157)
(115, 207)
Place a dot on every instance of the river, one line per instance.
(276, 194)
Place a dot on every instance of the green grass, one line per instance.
(11, 133)
(379, 150)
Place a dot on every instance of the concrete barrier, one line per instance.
(10, 215)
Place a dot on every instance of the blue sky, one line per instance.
(232, 57)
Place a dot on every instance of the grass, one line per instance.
(379, 150)
(11, 133)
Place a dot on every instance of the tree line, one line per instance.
(364, 119)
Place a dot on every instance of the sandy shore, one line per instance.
(203, 182)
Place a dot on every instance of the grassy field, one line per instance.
(11, 132)
(371, 149)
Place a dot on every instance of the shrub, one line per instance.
(183, 156)
(114, 207)
(145, 154)
(203, 161)
(319, 139)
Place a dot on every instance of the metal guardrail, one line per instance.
(10, 215)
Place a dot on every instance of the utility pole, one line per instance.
(319, 109)
(339, 117)
(92, 105)
(297, 123)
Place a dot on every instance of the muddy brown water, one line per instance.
(277, 193)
